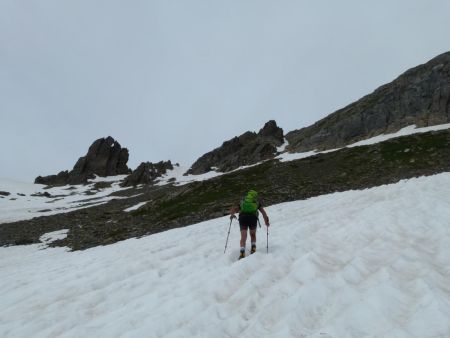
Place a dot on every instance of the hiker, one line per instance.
(248, 218)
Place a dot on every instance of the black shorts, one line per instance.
(247, 221)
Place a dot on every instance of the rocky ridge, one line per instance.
(419, 96)
(246, 149)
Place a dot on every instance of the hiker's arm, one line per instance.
(266, 218)
(234, 209)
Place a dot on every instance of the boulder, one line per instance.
(42, 194)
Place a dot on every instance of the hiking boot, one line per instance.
(253, 249)
(242, 255)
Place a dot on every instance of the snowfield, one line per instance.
(21, 205)
(370, 263)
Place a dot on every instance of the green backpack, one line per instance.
(249, 204)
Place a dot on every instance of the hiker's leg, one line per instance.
(253, 235)
(243, 238)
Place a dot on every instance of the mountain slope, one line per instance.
(353, 264)
(170, 206)
(420, 96)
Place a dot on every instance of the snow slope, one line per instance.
(370, 263)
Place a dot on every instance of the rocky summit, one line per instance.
(105, 157)
(419, 96)
(246, 149)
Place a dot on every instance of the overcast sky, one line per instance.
(174, 79)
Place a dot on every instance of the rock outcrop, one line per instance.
(147, 173)
(62, 178)
(247, 149)
(420, 96)
(105, 157)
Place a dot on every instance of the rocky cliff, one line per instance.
(420, 96)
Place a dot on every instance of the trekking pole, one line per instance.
(229, 229)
